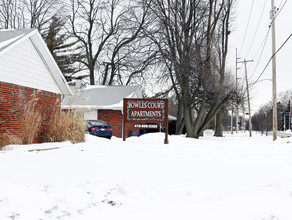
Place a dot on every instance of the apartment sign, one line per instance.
(146, 110)
(143, 111)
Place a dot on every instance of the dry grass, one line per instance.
(31, 121)
(6, 138)
(2, 128)
(66, 125)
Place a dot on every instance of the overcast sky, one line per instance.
(249, 31)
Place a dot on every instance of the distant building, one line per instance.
(102, 103)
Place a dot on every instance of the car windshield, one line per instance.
(96, 123)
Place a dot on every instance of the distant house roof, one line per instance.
(100, 97)
(17, 46)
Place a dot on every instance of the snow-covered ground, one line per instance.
(229, 178)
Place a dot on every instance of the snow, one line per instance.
(7, 42)
(234, 177)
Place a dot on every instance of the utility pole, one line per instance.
(231, 126)
(274, 72)
(236, 117)
(248, 99)
(289, 125)
(243, 118)
(284, 126)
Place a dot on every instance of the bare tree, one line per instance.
(262, 119)
(111, 33)
(28, 13)
(192, 37)
(11, 14)
(40, 12)
(174, 32)
(129, 52)
(93, 23)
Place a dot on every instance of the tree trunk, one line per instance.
(92, 81)
(105, 74)
(188, 121)
(200, 118)
(91, 72)
(219, 124)
(112, 74)
(179, 121)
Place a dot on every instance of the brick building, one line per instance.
(27, 68)
(103, 103)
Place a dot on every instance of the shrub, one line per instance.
(66, 125)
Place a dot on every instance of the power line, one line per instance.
(279, 11)
(250, 12)
(263, 45)
(257, 27)
(265, 40)
(281, 8)
(280, 3)
(271, 59)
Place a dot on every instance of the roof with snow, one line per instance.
(8, 37)
(25, 60)
(100, 97)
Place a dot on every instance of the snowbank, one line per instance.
(234, 177)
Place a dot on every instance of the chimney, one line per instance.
(78, 83)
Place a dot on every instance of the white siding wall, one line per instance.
(23, 66)
(90, 115)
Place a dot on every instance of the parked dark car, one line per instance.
(99, 128)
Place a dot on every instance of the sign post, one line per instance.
(145, 112)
